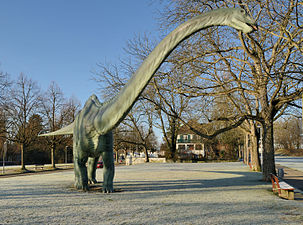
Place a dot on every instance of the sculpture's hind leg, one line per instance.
(91, 169)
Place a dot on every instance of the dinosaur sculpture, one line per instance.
(92, 128)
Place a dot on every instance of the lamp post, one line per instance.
(260, 144)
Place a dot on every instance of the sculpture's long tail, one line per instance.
(65, 130)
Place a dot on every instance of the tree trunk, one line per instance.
(53, 155)
(173, 144)
(22, 157)
(240, 153)
(255, 159)
(268, 155)
(246, 150)
(146, 154)
(117, 155)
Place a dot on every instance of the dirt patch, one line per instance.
(289, 152)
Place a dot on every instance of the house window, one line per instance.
(190, 147)
(198, 147)
(181, 147)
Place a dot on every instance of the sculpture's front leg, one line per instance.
(106, 144)
(108, 171)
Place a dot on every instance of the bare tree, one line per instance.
(170, 107)
(174, 107)
(52, 105)
(67, 114)
(139, 122)
(36, 152)
(288, 133)
(4, 86)
(70, 109)
(58, 112)
(5, 83)
(23, 102)
(260, 73)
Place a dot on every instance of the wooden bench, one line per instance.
(41, 166)
(283, 189)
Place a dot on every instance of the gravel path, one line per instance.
(212, 193)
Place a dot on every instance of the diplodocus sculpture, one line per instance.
(92, 128)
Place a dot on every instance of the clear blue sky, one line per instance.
(62, 40)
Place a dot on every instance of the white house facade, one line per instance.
(190, 144)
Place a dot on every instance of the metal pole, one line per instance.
(66, 154)
(3, 156)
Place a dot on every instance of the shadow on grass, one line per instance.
(19, 172)
(246, 180)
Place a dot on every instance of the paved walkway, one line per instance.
(293, 173)
(293, 177)
(32, 169)
(209, 193)
(290, 162)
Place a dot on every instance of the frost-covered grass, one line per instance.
(212, 193)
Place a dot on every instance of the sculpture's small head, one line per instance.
(240, 20)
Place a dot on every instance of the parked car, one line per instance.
(100, 164)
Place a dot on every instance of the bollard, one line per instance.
(128, 160)
(280, 173)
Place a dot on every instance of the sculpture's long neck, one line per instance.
(116, 110)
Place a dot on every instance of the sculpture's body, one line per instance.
(92, 128)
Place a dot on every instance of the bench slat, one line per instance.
(285, 186)
(284, 189)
